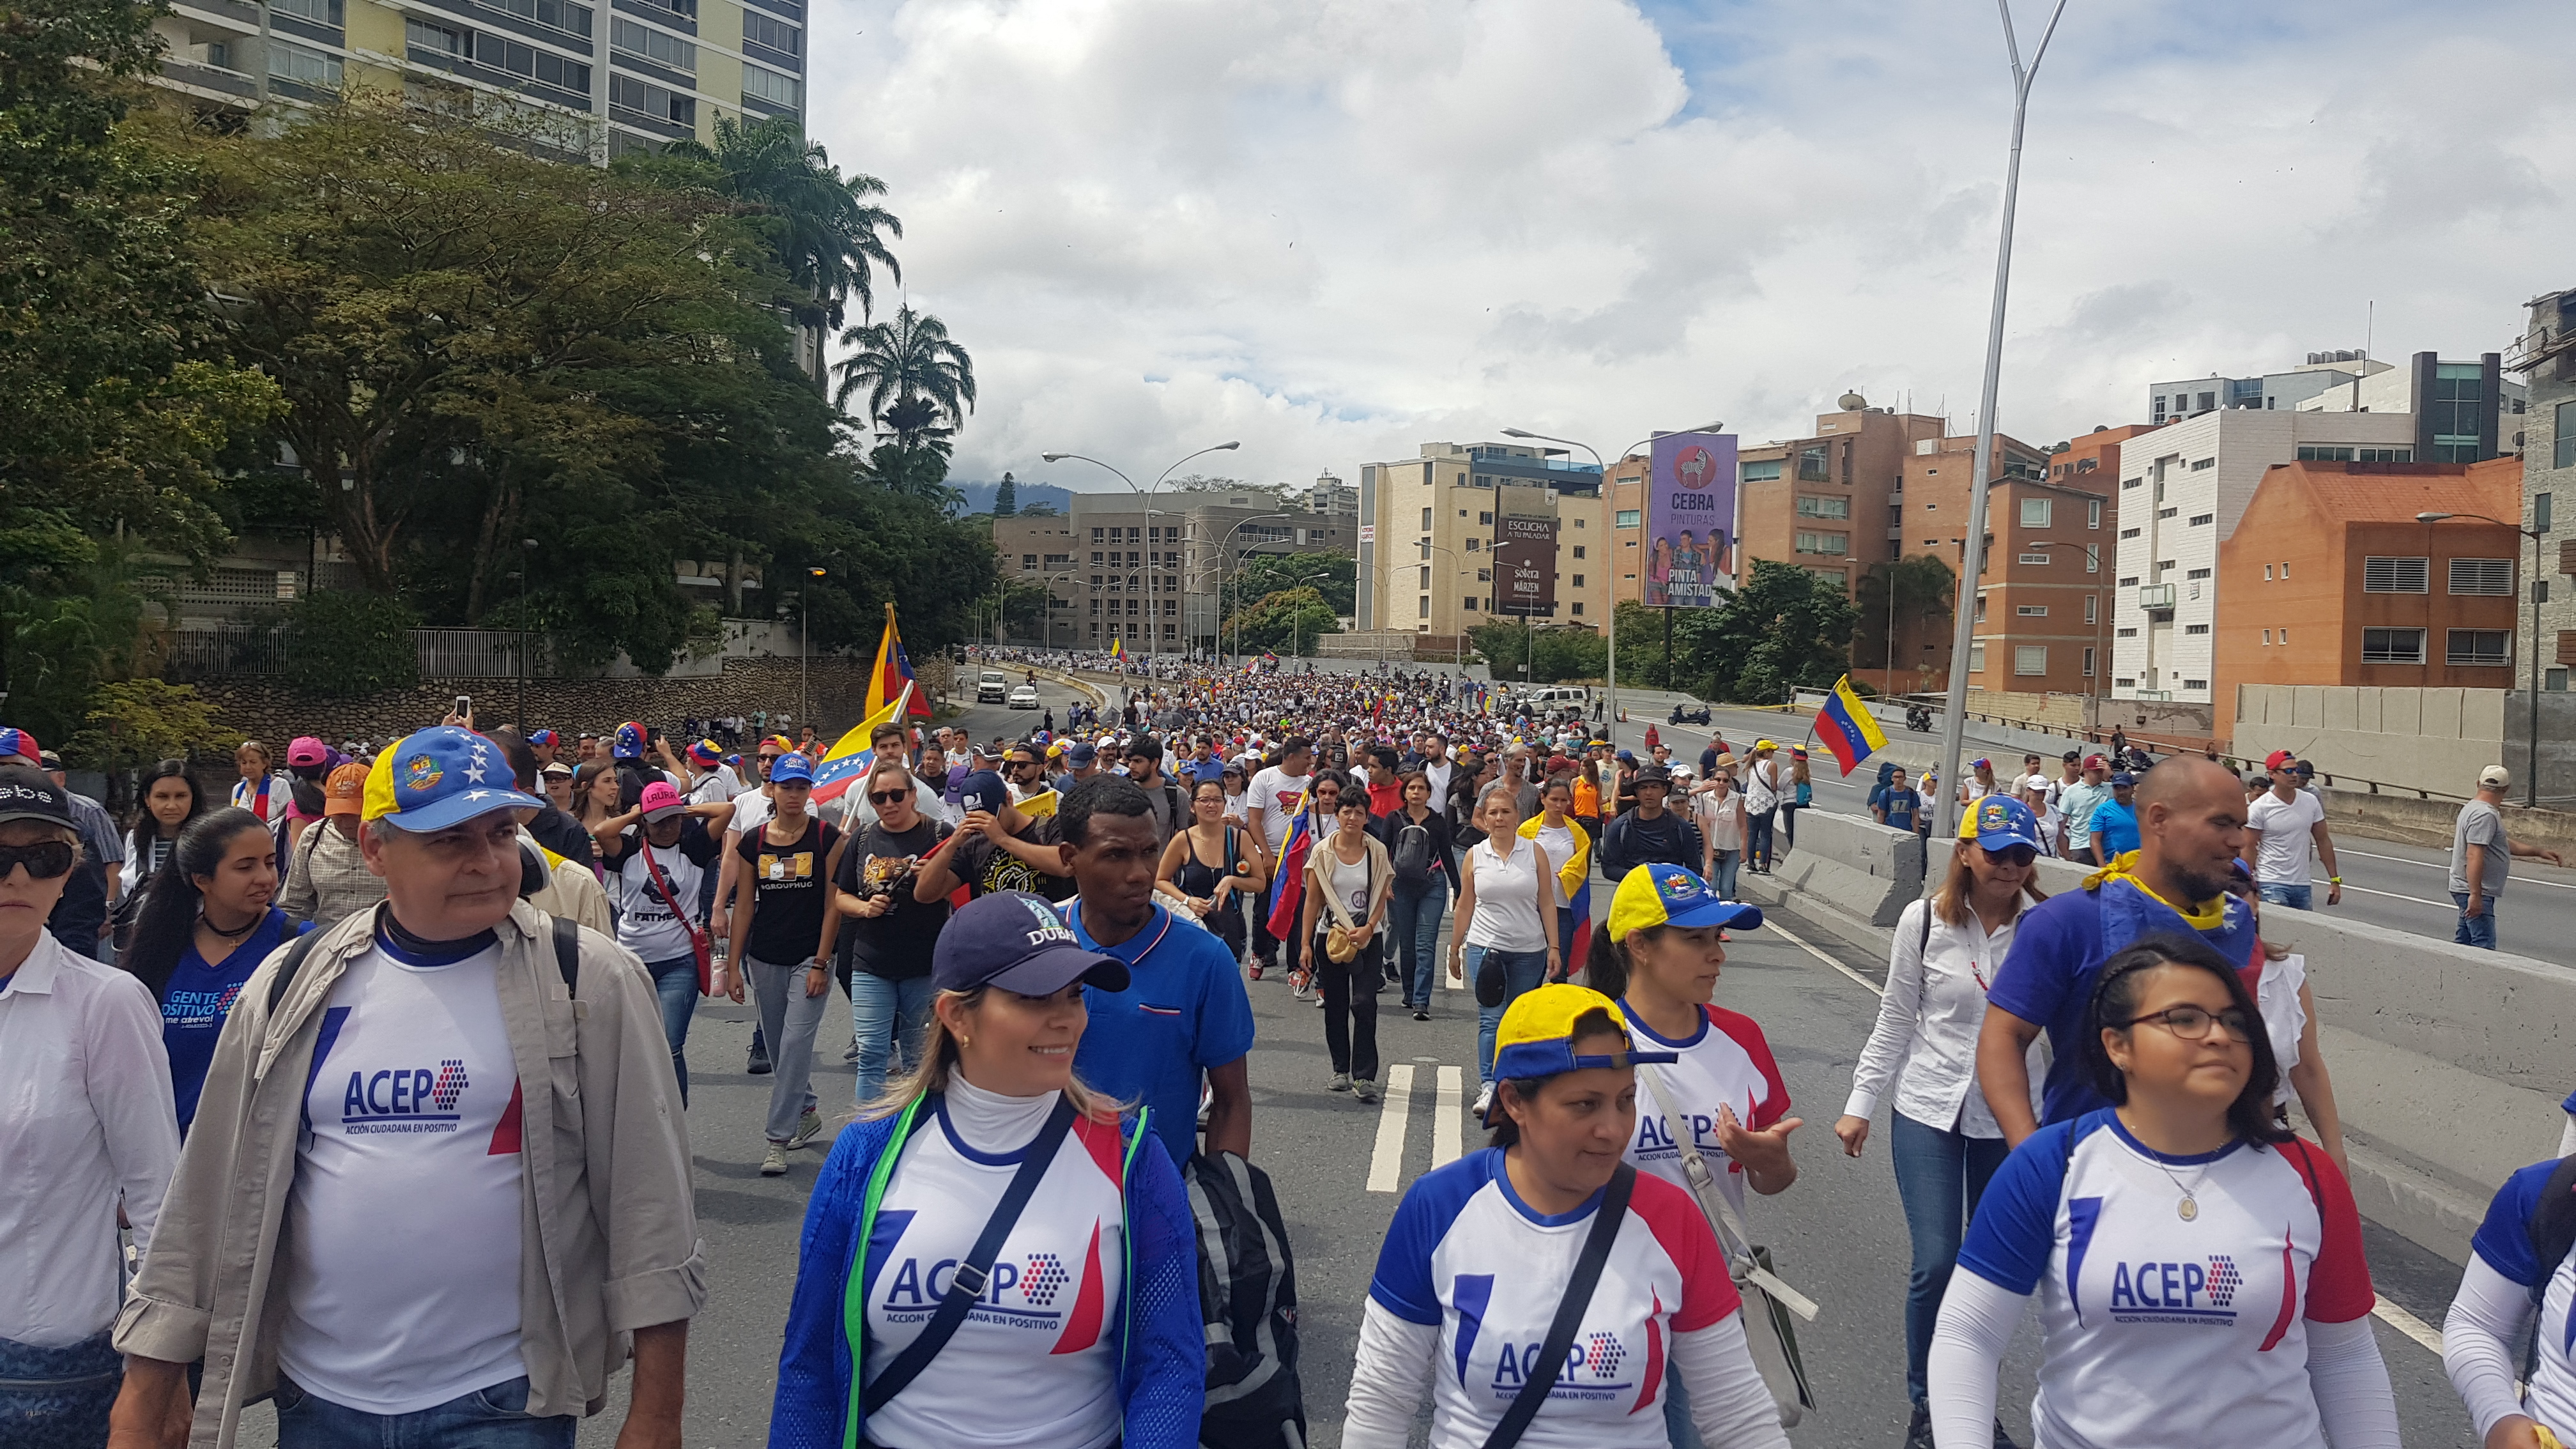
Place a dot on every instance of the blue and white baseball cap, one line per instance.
(792, 768)
(1668, 895)
(2000, 822)
(438, 777)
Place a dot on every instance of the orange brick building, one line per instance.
(2330, 579)
(2043, 589)
(1826, 503)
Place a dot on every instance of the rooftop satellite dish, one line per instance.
(1853, 402)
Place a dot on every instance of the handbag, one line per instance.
(1569, 1311)
(1342, 934)
(697, 934)
(1775, 1351)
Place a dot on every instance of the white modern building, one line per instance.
(2182, 489)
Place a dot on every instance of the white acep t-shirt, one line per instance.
(402, 1241)
(2288, 838)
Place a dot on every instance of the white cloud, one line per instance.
(1337, 228)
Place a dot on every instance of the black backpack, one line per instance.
(1412, 854)
(1249, 1304)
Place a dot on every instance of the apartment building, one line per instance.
(2183, 488)
(2331, 578)
(2172, 401)
(1429, 523)
(1155, 577)
(623, 75)
(2546, 356)
(1830, 502)
(2041, 602)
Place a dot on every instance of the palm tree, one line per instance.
(920, 385)
(825, 230)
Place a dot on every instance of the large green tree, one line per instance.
(918, 383)
(1552, 653)
(1785, 628)
(1290, 621)
(1333, 576)
(1923, 591)
(826, 230)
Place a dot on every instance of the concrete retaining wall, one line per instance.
(2422, 739)
(1867, 870)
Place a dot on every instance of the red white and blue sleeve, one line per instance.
(1747, 1033)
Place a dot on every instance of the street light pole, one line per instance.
(1152, 633)
(1233, 566)
(1954, 719)
(2531, 759)
(805, 648)
(527, 547)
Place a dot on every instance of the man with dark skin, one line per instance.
(1111, 850)
(2191, 827)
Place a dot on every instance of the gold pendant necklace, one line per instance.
(2189, 1208)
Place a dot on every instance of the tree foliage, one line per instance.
(1926, 591)
(1785, 628)
(1289, 621)
(1553, 654)
(919, 384)
(134, 722)
(346, 645)
(1333, 576)
(824, 229)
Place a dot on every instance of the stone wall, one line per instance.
(269, 709)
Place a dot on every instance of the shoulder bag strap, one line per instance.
(1569, 1311)
(670, 897)
(1733, 1235)
(967, 1287)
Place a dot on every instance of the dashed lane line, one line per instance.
(2385, 1311)
(1447, 1113)
(1386, 1165)
(2443, 866)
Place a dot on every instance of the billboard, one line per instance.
(1525, 566)
(1690, 519)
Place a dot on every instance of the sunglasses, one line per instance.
(886, 797)
(2013, 855)
(44, 860)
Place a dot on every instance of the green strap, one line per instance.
(854, 1292)
(1127, 1215)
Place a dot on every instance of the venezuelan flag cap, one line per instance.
(438, 777)
(19, 742)
(1667, 895)
(1536, 1036)
(2000, 822)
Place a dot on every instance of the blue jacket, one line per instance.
(1162, 1374)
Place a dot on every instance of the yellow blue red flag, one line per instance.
(892, 676)
(1848, 728)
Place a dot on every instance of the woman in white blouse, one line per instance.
(1943, 1139)
(1505, 937)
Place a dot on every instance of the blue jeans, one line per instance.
(675, 981)
(490, 1418)
(2477, 930)
(1522, 971)
(1413, 915)
(889, 1017)
(2297, 898)
(1728, 863)
(1940, 1175)
(1757, 839)
(65, 1396)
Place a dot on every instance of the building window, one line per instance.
(2030, 611)
(1096, 537)
(1028, 560)
(2204, 465)
(2130, 582)
(2195, 684)
(2089, 608)
(2030, 659)
(438, 39)
(2395, 575)
(2092, 507)
(1811, 466)
(1578, 550)
(1810, 506)
(1473, 544)
(625, 93)
(654, 45)
(1484, 518)
(1426, 577)
(2540, 511)
(2128, 483)
(2129, 632)
(2197, 574)
(2383, 455)
(2482, 576)
(1826, 543)
(2203, 520)
(1471, 604)
(2267, 636)
(1578, 608)
(1761, 470)
(2195, 628)
(2167, 512)
(2035, 512)
(761, 30)
(2128, 533)
(770, 86)
(1628, 518)
(2092, 558)
(1426, 520)
(2088, 664)
(2392, 646)
(292, 62)
(1578, 581)
(2479, 648)
(2031, 558)
(2563, 451)
(1976, 659)
(2324, 453)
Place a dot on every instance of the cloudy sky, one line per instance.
(1334, 229)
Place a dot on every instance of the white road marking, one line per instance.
(2444, 867)
(2452, 906)
(1448, 1116)
(1387, 1163)
(1772, 925)
(2407, 1323)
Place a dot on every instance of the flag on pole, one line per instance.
(1848, 728)
(892, 676)
(847, 761)
(1117, 648)
(1286, 891)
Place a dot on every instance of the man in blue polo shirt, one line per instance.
(2191, 826)
(2115, 821)
(1184, 1014)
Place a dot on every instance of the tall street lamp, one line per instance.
(1611, 685)
(1954, 720)
(2531, 761)
(1233, 566)
(526, 559)
(1151, 619)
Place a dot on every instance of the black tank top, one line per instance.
(1198, 879)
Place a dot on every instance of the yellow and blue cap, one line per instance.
(438, 777)
(1667, 895)
(1536, 1035)
(1999, 822)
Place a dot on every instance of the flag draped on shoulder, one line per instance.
(1848, 728)
(1574, 875)
(848, 760)
(891, 678)
(1287, 888)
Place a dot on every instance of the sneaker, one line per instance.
(1918, 1430)
(1484, 1101)
(1422, 1013)
(1341, 1082)
(852, 1054)
(1255, 971)
(2002, 1439)
(773, 1163)
(758, 1065)
(1302, 986)
(1364, 1089)
(807, 1127)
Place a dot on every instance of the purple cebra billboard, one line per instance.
(1690, 519)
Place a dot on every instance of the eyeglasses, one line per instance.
(886, 797)
(44, 860)
(2192, 1024)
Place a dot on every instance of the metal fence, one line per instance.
(241, 650)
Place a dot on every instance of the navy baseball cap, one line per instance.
(981, 790)
(1016, 941)
(1081, 753)
(2123, 778)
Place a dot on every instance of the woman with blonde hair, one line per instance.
(990, 1178)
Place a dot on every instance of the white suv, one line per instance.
(992, 687)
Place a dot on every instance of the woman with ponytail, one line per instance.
(207, 922)
(1118, 1358)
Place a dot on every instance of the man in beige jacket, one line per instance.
(438, 1185)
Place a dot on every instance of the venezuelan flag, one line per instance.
(1848, 728)
(847, 761)
(892, 677)
(1287, 889)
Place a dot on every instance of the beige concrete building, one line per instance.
(1428, 525)
(1155, 577)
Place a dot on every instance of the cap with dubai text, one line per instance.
(1536, 1035)
(1668, 895)
(438, 777)
(1016, 941)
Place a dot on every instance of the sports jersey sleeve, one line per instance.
(1162, 1383)
(1774, 1103)
(2490, 1317)
(1682, 1231)
(814, 1363)
(2339, 1288)
(2503, 1240)
(2032, 981)
(2015, 1230)
(1402, 1284)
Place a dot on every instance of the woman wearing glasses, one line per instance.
(1944, 1143)
(2199, 1270)
(890, 933)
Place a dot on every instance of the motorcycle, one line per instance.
(1918, 719)
(1689, 715)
